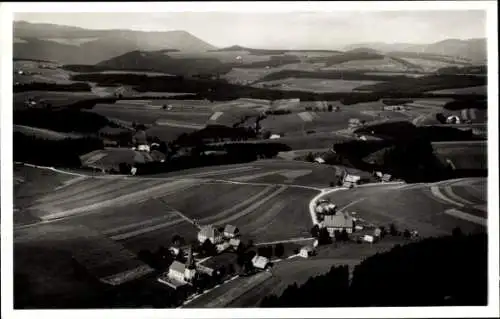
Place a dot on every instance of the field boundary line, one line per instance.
(467, 217)
(254, 206)
(244, 203)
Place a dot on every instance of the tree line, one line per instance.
(445, 271)
(221, 90)
(63, 153)
(44, 86)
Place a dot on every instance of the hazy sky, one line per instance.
(288, 30)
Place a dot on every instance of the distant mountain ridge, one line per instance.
(471, 49)
(74, 45)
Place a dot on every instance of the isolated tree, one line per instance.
(209, 248)
(279, 250)
(383, 231)
(441, 118)
(310, 157)
(124, 168)
(337, 235)
(457, 232)
(164, 106)
(146, 256)
(393, 230)
(344, 235)
(330, 108)
(324, 237)
(180, 256)
(315, 231)
(406, 233)
(177, 240)
(266, 135)
(250, 243)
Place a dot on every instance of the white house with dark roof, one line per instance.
(338, 222)
(211, 233)
(177, 271)
(260, 262)
(306, 251)
(231, 231)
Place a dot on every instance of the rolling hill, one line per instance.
(471, 49)
(71, 45)
(158, 61)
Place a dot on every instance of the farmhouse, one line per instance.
(260, 262)
(319, 160)
(386, 178)
(306, 251)
(368, 238)
(354, 123)
(339, 222)
(143, 148)
(211, 233)
(231, 231)
(235, 243)
(452, 119)
(351, 180)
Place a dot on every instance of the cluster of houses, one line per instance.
(183, 274)
(394, 108)
(228, 238)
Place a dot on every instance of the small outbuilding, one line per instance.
(260, 262)
(306, 251)
(368, 238)
(231, 231)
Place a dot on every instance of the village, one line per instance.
(221, 254)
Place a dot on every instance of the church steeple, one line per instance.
(190, 260)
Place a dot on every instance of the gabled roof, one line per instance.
(230, 229)
(260, 261)
(339, 220)
(386, 177)
(234, 242)
(351, 178)
(178, 267)
(209, 231)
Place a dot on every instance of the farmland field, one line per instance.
(482, 90)
(43, 133)
(53, 97)
(407, 206)
(305, 121)
(413, 75)
(430, 65)
(318, 85)
(148, 115)
(463, 155)
(387, 64)
(34, 72)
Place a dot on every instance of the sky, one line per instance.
(321, 30)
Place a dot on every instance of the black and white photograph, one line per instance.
(271, 157)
